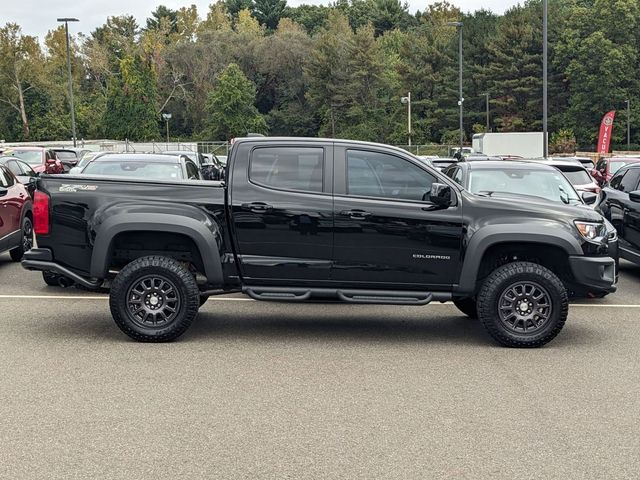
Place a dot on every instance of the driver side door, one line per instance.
(386, 235)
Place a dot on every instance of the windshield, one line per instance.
(147, 170)
(577, 177)
(86, 158)
(547, 184)
(32, 157)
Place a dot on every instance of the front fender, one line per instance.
(488, 236)
(203, 231)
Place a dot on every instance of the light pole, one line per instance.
(458, 25)
(545, 59)
(487, 95)
(628, 125)
(167, 117)
(407, 100)
(73, 112)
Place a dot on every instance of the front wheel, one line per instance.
(154, 299)
(523, 304)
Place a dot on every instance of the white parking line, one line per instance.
(240, 299)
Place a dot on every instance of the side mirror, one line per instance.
(32, 180)
(440, 195)
(589, 197)
(635, 196)
(3, 191)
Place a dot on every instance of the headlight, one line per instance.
(591, 231)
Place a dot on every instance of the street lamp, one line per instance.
(487, 95)
(167, 117)
(407, 100)
(73, 112)
(628, 102)
(545, 80)
(458, 25)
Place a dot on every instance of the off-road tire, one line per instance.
(122, 298)
(507, 276)
(51, 279)
(25, 243)
(467, 306)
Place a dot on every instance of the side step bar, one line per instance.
(380, 297)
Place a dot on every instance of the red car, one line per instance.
(42, 160)
(16, 217)
(606, 168)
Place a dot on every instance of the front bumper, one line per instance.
(595, 273)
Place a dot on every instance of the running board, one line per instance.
(380, 297)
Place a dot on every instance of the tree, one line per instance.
(163, 17)
(20, 59)
(231, 107)
(268, 12)
(131, 102)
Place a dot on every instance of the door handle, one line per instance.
(257, 207)
(356, 214)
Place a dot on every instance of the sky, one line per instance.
(36, 17)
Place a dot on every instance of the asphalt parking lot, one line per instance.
(266, 390)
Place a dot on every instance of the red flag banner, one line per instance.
(606, 127)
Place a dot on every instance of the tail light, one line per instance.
(40, 213)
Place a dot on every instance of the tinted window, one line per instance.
(14, 168)
(289, 168)
(66, 155)
(615, 181)
(6, 177)
(373, 174)
(32, 157)
(192, 171)
(4, 182)
(615, 166)
(577, 177)
(26, 169)
(630, 180)
(145, 170)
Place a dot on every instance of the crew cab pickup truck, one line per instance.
(312, 219)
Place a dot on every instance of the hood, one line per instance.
(533, 207)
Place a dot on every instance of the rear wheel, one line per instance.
(467, 306)
(26, 240)
(523, 304)
(154, 299)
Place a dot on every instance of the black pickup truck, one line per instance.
(313, 219)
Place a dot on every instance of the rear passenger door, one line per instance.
(282, 212)
(630, 235)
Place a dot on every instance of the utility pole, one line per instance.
(459, 25)
(407, 100)
(73, 112)
(167, 117)
(487, 95)
(628, 125)
(545, 59)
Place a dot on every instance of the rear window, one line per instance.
(577, 177)
(146, 170)
(288, 168)
(66, 155)
(32, 157)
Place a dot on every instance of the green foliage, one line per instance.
(334, 70)
(268, 12)
(563, 141)
(231, 107)
(131, 102)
